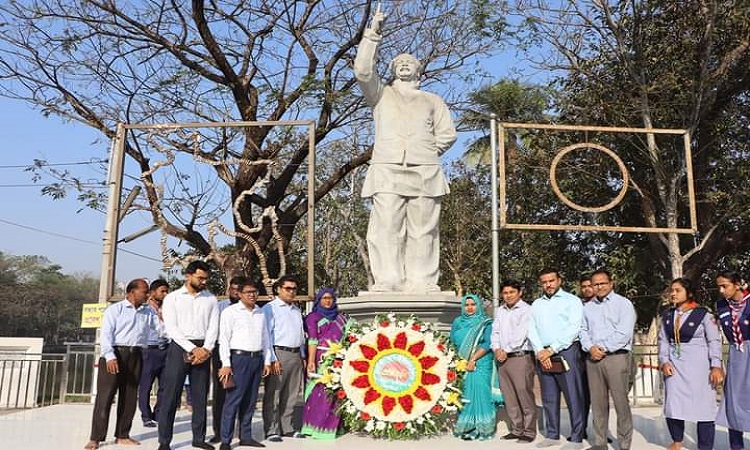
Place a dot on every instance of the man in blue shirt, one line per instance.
(284, 384)
(123, 334)
(607, 336)
(155, 354)
(555, 323)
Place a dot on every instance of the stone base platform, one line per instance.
(439, 308)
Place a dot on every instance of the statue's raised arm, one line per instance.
(364, 63)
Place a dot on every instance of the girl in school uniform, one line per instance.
(734, 317)
(690, 359)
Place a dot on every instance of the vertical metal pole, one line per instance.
(310, 216)
(495, 227)
(690, 181)
(109, 240)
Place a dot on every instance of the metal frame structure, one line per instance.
(499, 194)
(519, 226)
(114, 181)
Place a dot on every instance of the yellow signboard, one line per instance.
(91, 315)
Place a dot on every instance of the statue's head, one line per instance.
(406, 67)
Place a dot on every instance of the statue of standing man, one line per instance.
(405, 179)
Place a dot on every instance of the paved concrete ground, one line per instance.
(67, 427)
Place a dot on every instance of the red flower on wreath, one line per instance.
(384, 323)
(341, 394)
(337, 363)
(352, 338)
(437, 409)
(416, 327)
(364, 416)
(398, 426)
(451, 376)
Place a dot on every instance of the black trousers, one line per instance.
(175, 370)
(219, 393)
(125, 385)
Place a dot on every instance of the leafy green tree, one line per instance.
(40, 301)
(663, 65)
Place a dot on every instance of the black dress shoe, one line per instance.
(164, 447)
(274, 438)
(510, 436)
(251, 443)
(526, 438)
(215, 440)
(224, 446)
(203, 445)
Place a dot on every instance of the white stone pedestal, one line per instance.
(439, 308)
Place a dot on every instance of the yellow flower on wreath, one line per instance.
(333, 348)
(454, 399)
(461, 365)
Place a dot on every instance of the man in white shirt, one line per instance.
(284, 385)
(217, 405)
(191, 318)
(514, 353)
(123, 335)
(245, 350)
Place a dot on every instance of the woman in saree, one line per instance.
(470, 333)
(324, 325)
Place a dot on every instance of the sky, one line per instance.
(62, 230)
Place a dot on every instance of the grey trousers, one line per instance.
(282, 393)
(517, 384)
(610, 377)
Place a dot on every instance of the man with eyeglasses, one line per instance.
(284, 384)
(191, 318)
(217, 405)
(245, 349)
(607, 337)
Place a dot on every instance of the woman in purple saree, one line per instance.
(324, 325)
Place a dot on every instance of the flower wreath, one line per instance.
(397, 378)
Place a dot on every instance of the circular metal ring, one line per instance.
(623, 170)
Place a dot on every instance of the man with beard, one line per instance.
(154, 355)
(586, 288)
(556, 319)
(191, 318)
